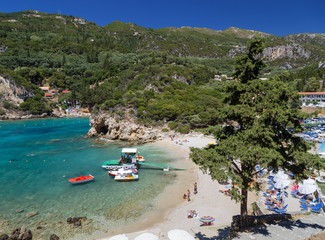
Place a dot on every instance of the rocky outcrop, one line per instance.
(12, 93)
(291, 51)
(106, 126)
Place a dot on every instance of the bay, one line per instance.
(39, 156)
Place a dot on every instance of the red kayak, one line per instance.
(81, 179)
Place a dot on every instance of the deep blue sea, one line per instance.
(37, 157)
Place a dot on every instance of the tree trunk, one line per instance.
(243, 209)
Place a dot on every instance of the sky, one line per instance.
(271, 16)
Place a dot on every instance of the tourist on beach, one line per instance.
(195, 188)
(188, 195)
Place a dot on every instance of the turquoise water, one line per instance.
(39, 156)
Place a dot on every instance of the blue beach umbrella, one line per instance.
(207, 219)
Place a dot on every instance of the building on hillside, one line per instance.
(48, 95)
(312, 96)
(66, 91)
(45, 89)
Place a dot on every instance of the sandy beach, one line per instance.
(171, 208)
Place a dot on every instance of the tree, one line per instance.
(249, 65)
(257, 115)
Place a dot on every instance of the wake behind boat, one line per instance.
(81, 179)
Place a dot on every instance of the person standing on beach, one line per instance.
(188, 195)
(195, 188)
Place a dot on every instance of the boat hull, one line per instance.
(123, 178)
(81, 179)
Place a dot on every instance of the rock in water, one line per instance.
(31, 214)
(4, 237)
(126, 129)
(21, 234)
(54, 237)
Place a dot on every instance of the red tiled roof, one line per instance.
(65, 91)
(312, 93)
(48, 95)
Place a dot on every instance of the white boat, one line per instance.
(124, 177)
(124, 169)
(132, 153)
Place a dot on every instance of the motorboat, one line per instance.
(129, 156)
(81, 179)
(124, 169)
(124, 177)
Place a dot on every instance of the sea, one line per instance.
(37, 157)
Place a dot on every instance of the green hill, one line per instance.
(159, 72)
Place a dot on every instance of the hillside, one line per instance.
(166, 74)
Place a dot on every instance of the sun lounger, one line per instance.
(316, 209)
(309, 202)
(283, 210)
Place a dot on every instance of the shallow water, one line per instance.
(37, 159)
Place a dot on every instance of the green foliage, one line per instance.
(35, 105)
(260, 113)
(172, 125)
(8, 105)
(249, 65)
(2, 112)
(184, 129)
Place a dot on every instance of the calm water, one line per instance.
(39, 156)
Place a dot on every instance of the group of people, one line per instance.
(188, 194)
(226, 192)
(191, 214)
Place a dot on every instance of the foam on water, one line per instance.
(39, 156)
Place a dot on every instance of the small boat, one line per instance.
(129, 156)
(121, 171)
(81, 179)
(124, 177)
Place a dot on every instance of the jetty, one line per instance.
(160, 166)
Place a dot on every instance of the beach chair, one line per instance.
(309, 202)
(317, 208)
(266, 195)
(283, 210)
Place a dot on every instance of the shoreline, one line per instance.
(170, 209)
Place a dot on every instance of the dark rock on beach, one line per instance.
(4, 237)
(54, 237)
(76, 221)
(21, 234)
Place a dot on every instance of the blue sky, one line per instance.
(271, 16)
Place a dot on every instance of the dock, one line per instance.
(160, 166)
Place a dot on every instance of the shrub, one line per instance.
(183, 129)
(172, 125)
(165, 130)
(2, 112)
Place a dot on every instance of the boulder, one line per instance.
(31, 214)
(54, 237)
(125, 129)
(4, 237)
(21, 234)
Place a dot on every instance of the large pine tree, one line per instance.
(257, 115)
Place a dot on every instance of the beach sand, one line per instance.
(170, 207)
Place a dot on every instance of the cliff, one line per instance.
(11, 96)
(107, 126)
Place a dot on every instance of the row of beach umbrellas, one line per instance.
(282, 181)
